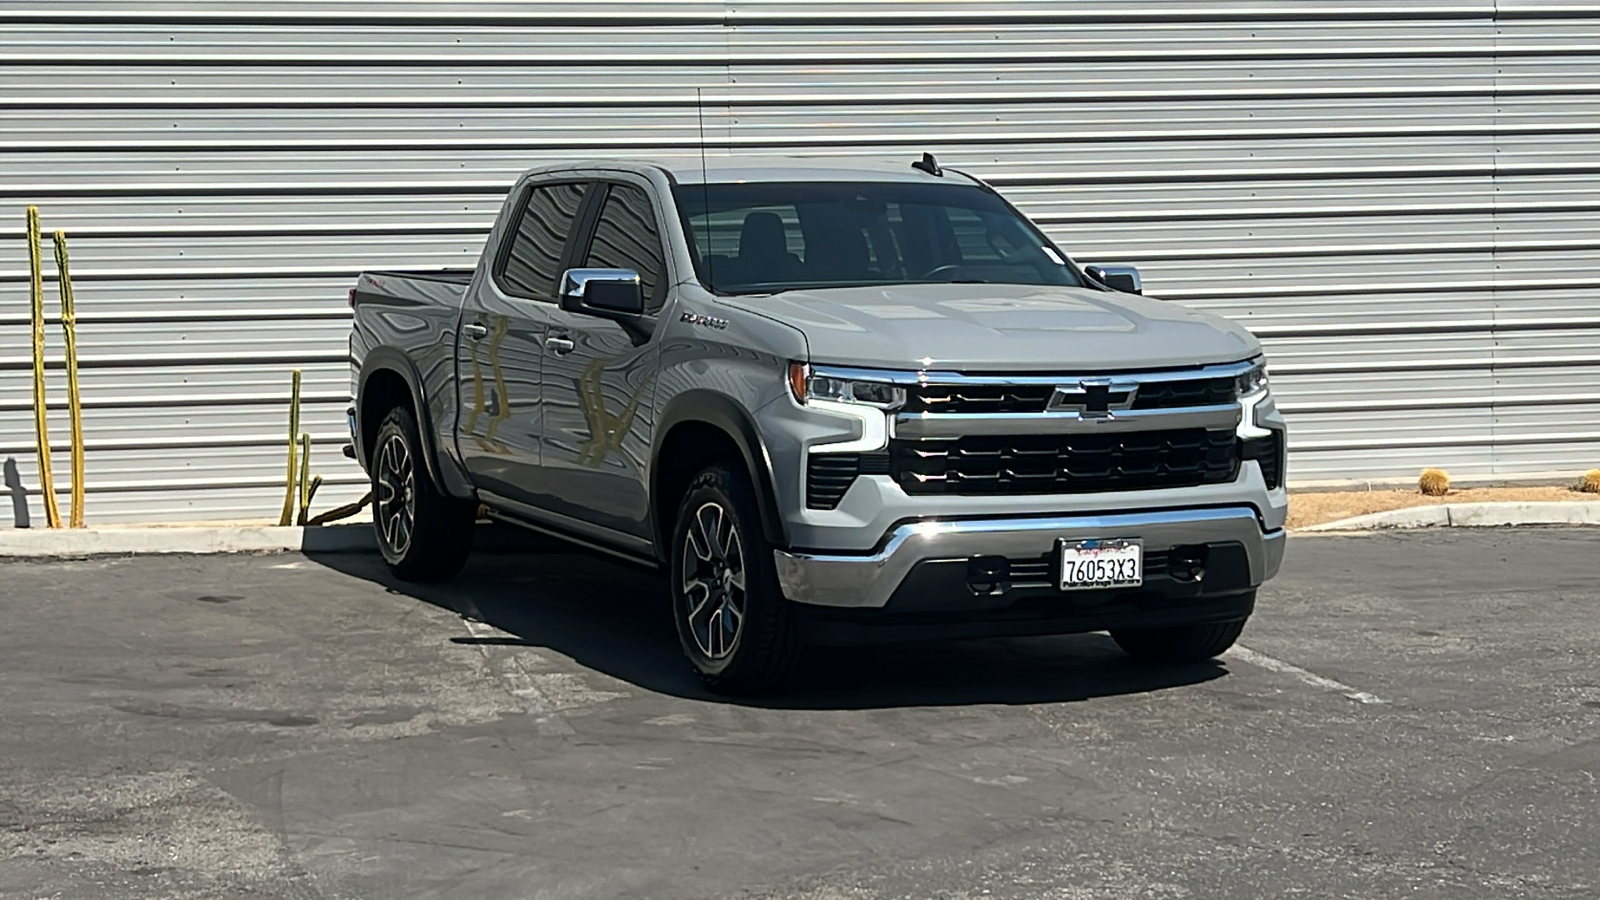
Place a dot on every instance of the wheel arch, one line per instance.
(710, 427)
(389, 377)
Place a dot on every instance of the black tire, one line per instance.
(734, 624)
(1185, 644)
(424, 535)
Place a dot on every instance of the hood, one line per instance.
(1000, 327)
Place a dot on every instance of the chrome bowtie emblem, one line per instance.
(1093, 399)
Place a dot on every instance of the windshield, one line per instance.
(765, 237)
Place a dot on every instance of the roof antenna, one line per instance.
(928, 164)
(705, 190)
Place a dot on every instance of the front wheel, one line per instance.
(1183, 644)
(425, 535)
(734, 624)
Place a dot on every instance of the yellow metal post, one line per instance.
(47, 487)
(287, 518)
(69, 325)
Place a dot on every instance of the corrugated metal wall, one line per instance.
(1400, 198)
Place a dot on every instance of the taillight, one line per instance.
(352, 298)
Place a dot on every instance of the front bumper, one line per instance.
(937, 552)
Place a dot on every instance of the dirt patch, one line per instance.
(1315, 507)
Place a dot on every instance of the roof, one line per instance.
(723, 167)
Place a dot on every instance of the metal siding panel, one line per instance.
(1399, 200)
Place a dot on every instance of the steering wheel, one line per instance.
(942, 270)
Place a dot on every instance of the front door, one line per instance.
(599, 379)
(504, 326)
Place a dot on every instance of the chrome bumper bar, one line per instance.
(869, 580)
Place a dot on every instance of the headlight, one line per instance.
(1253, 381)
(808, 384)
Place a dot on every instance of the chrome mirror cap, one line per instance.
(602, 291)
(1119, 278)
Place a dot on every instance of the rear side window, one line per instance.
(626, 238)
(533, 261)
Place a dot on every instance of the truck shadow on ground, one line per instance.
(613, 617)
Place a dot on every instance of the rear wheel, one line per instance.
(734, 624)
(424, 535)
(1184, 644)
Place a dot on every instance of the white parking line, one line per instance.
(1245, 654)
(508, 667)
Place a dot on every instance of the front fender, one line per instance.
(721, 411)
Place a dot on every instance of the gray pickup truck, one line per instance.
(833, 403)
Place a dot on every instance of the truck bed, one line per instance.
(462, 277)
(442, 288)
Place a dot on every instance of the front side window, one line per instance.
(533, 261)
(759, 238)
(626, 237)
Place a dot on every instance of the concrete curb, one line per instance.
(1472, 515)
(71, 543)
(24, 543)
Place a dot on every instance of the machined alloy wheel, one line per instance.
(425, 534)
(396, 496)
(735, 626)
(713, 589)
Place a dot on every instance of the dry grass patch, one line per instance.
(1434, 482)
(1316, 507)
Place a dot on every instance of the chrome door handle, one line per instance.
(560, 346)
(475, 331)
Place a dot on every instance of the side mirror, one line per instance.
(1118, 278)
(609, 293)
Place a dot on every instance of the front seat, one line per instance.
(764, 250)
(838, 253)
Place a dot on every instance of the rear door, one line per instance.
(599, 376)
(504, 325)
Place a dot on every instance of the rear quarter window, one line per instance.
(532, 260)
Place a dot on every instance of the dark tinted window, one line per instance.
(626, 238)
(533, 262)
(764, 237)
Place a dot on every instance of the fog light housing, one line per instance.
(988, 574)
(1188, 563)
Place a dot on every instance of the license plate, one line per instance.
(1090, 565)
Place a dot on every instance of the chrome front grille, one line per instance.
(1032, 433)
(1168, 391)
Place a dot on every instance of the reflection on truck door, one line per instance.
(504, 323)
(597, 395)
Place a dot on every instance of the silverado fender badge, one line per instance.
(707, 321)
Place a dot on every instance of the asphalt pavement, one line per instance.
(1410, 715)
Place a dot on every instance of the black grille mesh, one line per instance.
(1173, 394)
(978, 398)
(1059, 464)
(829, 475)
(1269, 452)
